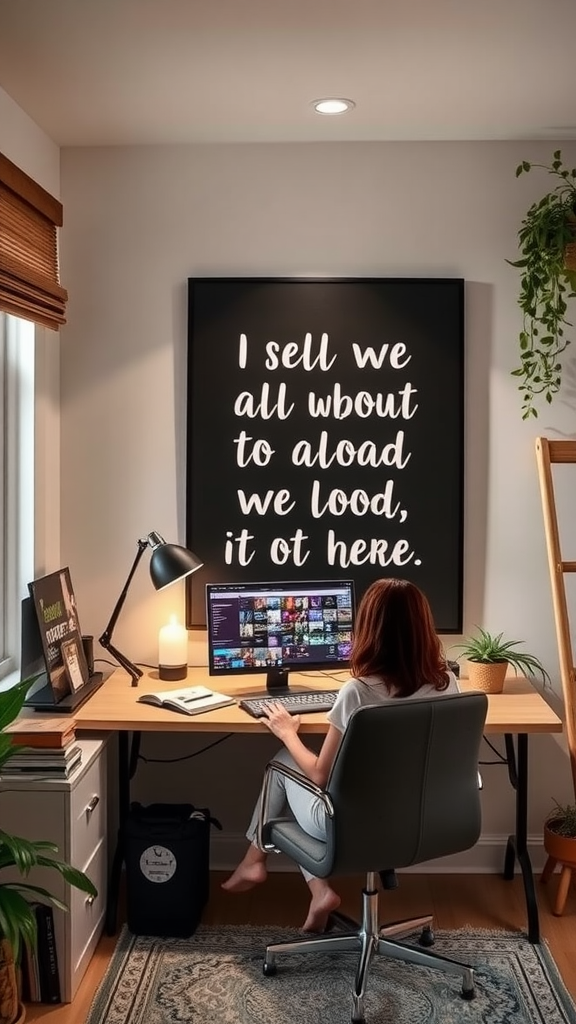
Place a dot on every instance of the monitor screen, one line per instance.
(273, 628)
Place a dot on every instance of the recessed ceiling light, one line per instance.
(333, 106)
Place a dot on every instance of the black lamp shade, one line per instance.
(171, 562)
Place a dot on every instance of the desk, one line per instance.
(516, 713)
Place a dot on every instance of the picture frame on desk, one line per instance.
(71, 656)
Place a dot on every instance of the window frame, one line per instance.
(4, 617)
(17, 384)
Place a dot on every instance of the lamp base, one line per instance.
(172, 672)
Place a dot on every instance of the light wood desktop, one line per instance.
(516, 713)
(519, 709)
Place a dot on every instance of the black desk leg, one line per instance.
(517, 845)
(127, 763)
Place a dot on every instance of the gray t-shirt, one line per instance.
(358, 693)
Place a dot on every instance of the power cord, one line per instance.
(185, 757)
(501, 758)
(337, 676)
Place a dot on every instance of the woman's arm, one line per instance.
(315, 766)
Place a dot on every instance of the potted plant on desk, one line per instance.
(488, 658)
(17, 918)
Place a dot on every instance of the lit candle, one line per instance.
(173, 650)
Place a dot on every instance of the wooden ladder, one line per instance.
(549, 453)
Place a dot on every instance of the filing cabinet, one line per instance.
(71, 813)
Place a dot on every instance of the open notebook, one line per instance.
(190, 700)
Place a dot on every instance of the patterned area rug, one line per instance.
(217, 976)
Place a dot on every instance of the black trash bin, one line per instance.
(167, 850)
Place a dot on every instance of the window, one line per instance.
(17, 475)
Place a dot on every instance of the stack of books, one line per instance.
(44, 748)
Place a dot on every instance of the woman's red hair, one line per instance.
(395, 638)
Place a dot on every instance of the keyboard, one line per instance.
(303, 702)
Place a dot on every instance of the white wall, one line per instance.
(140, 221)
(27, 146)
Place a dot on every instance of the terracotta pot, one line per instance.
(487, 676)
(11, 1009)
(561, 848)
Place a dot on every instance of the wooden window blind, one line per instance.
(29, 278)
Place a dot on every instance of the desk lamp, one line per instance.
(169, 563)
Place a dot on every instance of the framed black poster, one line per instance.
(325, 434)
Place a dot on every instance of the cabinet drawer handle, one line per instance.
(89, 900)
(92, 805)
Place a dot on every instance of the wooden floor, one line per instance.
(480, 901)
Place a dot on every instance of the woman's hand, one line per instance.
(277, 719)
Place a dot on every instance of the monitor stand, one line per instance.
(276, 685)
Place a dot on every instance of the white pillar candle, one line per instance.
(173, 645)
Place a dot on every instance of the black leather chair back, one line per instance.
(404, 786)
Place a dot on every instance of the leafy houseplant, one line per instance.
(547, 243)
(562, 820)
(486, 649)
(17, 919)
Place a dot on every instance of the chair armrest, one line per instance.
(301, 780)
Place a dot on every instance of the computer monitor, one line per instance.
(274, 628)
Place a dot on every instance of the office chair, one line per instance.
(403, 789)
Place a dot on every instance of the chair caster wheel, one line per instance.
(268, 970)
(468, 994)
(427, 937)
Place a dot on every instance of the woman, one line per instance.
(396, 655)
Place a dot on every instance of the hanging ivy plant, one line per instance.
(547, 244)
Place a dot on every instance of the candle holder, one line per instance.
(172, 672)
(169, 563)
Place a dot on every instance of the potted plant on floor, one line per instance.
(488, 658)
(560, 845)
(547, 264)
(17, 918)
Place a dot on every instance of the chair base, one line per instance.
(369, 939)
(394, 929)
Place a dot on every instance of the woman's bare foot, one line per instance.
(323, 903)
(251, 871)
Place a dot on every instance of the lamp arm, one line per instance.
(133, 671)
(107, 634)
(106, 637)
